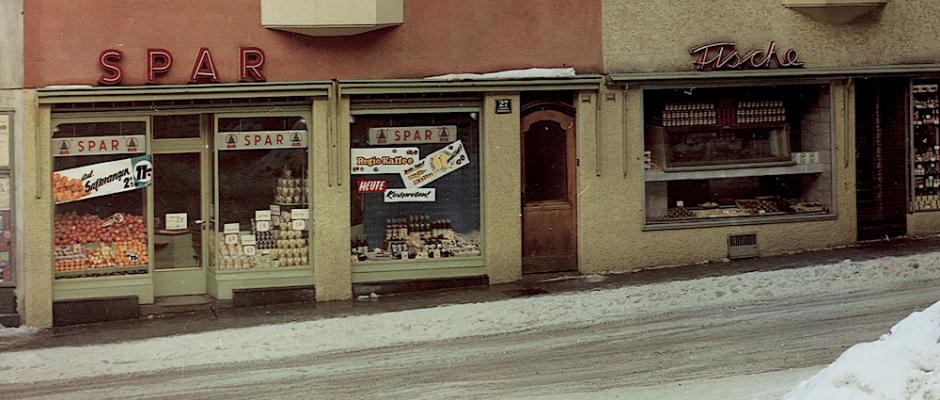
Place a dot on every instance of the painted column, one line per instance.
(332, 269)
(33, 184)
(502, 188)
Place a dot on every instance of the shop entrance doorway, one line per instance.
(881, 123)
(549, 170)
(180, 198)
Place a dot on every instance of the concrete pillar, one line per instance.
(35, 267)
(502, 188)
(332, 269)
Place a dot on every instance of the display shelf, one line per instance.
(796, 169)
(738, 221)
(97, 272)
(718, 146)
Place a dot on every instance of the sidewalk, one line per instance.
(225, 318)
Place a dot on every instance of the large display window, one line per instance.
(722, 154)
(415, 187)
(925, 157)
(6, 198)
(262, 189)
(100, 173)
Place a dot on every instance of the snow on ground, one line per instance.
(271, 342)
(18, 331)
(902, 364)
(766, 386)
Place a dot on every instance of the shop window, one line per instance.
(262, 193)
(925, 107)
(415, 187)
(6, 200)
(737, 153)
(100, 172)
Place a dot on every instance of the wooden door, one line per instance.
(549, 210)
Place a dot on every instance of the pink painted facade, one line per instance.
(64, 38)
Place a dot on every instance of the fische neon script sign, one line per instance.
(724, 55)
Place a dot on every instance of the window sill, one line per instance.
(797, 169)
(737, 221)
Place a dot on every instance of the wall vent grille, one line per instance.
(742, 245)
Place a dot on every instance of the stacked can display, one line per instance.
(278, 236)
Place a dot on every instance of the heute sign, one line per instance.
(204, 69)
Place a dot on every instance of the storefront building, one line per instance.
(270, 153)
(762, 128)
(291, 149)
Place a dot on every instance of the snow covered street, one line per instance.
(754, 335)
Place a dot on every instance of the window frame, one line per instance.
(426, 263)
(827, 83)
(60, 119)
(213, 212)
(10, 172)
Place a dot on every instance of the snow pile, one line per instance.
(531, 73)
(903, 364)
(273, 342)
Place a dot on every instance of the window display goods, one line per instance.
(278, 235)
(925, 107)
(86, 242)
(416, 187)
(417, 237)
(737, 152)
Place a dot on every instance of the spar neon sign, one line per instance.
(725, 55)
(159, 62)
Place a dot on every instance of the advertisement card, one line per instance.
(382, 161)
(417, 195)
(230, 228)
(263, 226)
(102, 179)
(176, 221)
(249, 250)
(263, 215)
(435, 165)
(298, 225)
(299, 213)
(371, 186)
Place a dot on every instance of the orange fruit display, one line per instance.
(89, 242)
(67, 189)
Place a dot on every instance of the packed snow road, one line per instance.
(607, 344)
